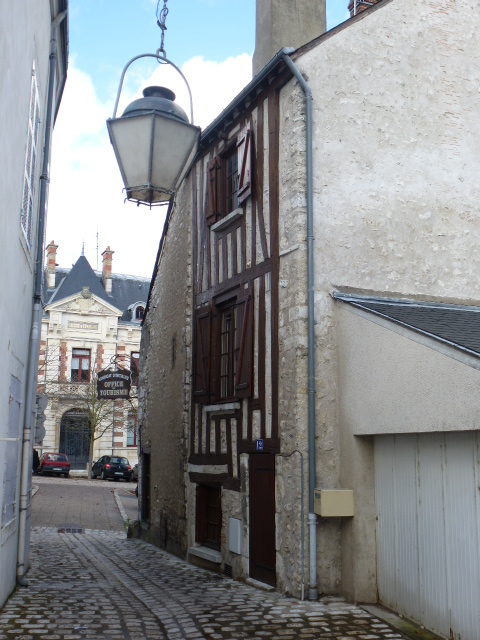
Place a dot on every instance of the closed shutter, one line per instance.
(244, 164)
(201, 514)
(244, 345)
(211, 205)
(201, 375)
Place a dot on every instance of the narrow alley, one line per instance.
(87, 580)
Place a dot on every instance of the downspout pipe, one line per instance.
(312, 518)
(27, 447)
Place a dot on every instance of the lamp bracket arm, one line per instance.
(162, 60)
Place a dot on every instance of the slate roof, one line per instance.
(456, 325)
(126, 290)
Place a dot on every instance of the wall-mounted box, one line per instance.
(333, 503)
(235, 535)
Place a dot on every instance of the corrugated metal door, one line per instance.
(427, 492)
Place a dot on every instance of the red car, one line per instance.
(56, 463)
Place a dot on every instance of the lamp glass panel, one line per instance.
(131, 140)
(173, 142)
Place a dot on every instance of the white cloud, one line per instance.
(86, 188)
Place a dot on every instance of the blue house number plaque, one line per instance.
(259, 444)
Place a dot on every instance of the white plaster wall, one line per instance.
(24, 37)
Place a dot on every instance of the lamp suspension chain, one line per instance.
(162, 14)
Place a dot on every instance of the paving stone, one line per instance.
(107, 587)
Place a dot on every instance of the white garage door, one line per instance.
(427, 492)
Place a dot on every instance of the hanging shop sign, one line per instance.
(113, 385)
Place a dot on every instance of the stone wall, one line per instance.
(165, 369)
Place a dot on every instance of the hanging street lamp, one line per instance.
(153, 140)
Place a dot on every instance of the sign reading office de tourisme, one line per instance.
(113, 385)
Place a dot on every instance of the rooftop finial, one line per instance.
(83, 248)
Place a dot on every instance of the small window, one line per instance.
(80, 365)
(231, 181)
(132, 430)
(139, 312)
(228, 356)
(208, 516)
(134, 368)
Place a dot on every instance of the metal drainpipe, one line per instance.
(32, 372)
(312, 518)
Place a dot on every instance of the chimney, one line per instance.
(286, 23)
(51, 264)
(357, 6)
(107, 269)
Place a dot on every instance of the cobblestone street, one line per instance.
(98, 584)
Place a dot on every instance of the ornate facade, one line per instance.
(92, 321)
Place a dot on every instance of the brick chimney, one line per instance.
(51, 264)
(286, 23)
(107, 269)
(360, 5)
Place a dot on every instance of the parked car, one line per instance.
(55, 463)
(135, 472)
(112, 467)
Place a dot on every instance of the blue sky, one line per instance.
(211, 40)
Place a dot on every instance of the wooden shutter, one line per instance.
(244, 345)
(201, 374)
(211, 205)
(244, 164)
(201, 508)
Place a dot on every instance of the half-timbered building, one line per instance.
(391, 172)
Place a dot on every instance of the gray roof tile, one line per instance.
(457, 325)
(126, 290)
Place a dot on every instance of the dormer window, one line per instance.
(137, 311)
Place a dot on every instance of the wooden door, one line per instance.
(262, 518)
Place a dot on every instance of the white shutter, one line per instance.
(30, 161)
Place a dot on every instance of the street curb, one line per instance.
(123, 513)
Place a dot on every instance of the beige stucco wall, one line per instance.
(396, 191)
(396, 381)
(165, 406)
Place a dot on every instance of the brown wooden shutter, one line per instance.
(244, 345)
(211, 205)
(244, 163)
(201, 508)
(201, 374)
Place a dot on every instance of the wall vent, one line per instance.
(227, 570)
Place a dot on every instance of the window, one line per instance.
(231, 181)
(229, 178)
(26, 217)
(139, 311)
(223, 355)
(208, 522)
(134, 368)
(80, 365)
(132, 430)
(227, 353)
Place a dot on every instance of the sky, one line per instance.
(212, 41)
